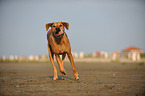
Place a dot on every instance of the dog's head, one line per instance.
(57, 28)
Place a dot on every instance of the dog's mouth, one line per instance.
(59, 33)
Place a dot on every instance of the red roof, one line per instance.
(131, 48)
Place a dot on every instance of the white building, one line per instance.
(134, 56)
(75, 54)
(11, 57)
(31, 57)
(81, 54)
(3, 58)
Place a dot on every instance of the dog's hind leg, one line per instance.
(60, 65)
(51, 59)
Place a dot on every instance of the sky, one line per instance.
(95, 25)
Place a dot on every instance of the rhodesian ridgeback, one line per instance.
(58, 44)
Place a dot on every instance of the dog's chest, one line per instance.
(59, 47)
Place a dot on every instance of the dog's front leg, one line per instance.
(54, 68)
(60, 65)
(73, 65)
(63, 57)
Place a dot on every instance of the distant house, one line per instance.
(11, 57)
(81, 54)
(44, 57)
(115, 55)
(3, 58)
(75, 54)
(132, 49)
(31, 58)
(102, 54)
(92, 54)
(132, 53)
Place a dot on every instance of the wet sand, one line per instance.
(96, 79)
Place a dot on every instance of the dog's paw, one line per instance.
(64, 73)
(77, 78)
(55, 78)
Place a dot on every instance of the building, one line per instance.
(75, 54)
(102, 54)
(32, 58)
(22, 58)
(11, 57)
(44, 57)
(132, 49)
(3, 58)
(92, 54)
(115, 55)
(82, 55)
(132, 53)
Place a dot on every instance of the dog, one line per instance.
(58, 44)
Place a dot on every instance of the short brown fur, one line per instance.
(59, 45)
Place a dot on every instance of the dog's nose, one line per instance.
(57, 29)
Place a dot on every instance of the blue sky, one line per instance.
(95, 25)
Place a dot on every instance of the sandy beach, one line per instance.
(96, 79)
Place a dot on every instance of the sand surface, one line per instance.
(96, 79)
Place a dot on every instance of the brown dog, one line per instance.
(58, 44)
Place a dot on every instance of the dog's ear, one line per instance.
(48, 25)
(66, 25)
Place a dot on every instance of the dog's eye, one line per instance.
(53, 26)
(60, 25)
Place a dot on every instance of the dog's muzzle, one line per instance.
(59, 32)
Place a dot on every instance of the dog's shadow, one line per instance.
(61, 77)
